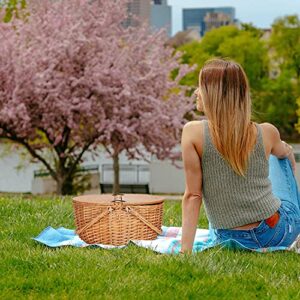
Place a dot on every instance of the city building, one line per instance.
(183, 37)
(138, 11)
(204, 19)
(216, 19)
(161, 15)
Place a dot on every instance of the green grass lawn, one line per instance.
(29, 270)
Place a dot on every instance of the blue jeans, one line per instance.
(284, 187)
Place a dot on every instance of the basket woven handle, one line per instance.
(135, 213)
(93, 221)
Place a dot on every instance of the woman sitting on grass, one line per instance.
(242, 169)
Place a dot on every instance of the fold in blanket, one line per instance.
(169, 242)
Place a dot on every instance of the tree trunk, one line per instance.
(64, 185)
(59, 185)
(68, 179)
(116, 186)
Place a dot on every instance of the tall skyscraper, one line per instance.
(204, 19)
(140, 9)
(161, 15)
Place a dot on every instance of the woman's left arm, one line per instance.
(192, 198)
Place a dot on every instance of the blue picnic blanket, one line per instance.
(169, 242)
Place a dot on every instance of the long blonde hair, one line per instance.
(224, 89)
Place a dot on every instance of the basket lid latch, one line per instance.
(118, 198)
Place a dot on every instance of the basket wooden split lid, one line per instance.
(116, 219)
(129, 199)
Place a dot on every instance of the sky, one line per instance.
(259, 12)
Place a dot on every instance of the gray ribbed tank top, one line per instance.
(231, 200)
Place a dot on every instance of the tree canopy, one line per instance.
(241, 45)
(285, 40)
(271, 64)
(285, 53)
(72, 77)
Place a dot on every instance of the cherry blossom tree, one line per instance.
(72, 77)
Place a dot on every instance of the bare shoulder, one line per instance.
(268, 126)
(193, 125)
(271, 137)
(193, 132)
(194, 129)
(270, 131)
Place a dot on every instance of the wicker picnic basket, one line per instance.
(116, 219)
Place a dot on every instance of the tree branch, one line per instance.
(61, 147)
(84, 149)
(66, 137)
(35, 154)
(13, 137)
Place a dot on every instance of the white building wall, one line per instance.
(20, 180)
(166, 178)
(163, 176)
(13, 177)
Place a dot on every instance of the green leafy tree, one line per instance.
(242, 45)
(285, 40)
(298, 113)
(10, 8)
(275, 103)
(251, 28)
(285, 49)
(213, 39)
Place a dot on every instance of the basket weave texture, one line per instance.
(104, 219)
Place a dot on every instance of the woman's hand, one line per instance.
(280, 148)
(291, 156)
(292, 159)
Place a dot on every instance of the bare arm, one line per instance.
(192, 198)
(280, 148)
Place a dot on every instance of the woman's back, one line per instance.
(232, 200)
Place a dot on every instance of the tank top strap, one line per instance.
(260, 142)
(207, 138)
(259, 132)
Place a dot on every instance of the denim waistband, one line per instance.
(261, 228)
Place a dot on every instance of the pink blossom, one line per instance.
(72, 77)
